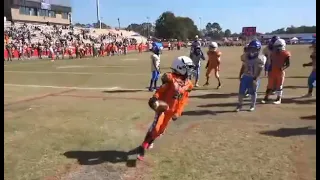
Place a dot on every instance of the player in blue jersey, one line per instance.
(155, 67)
(250, 73)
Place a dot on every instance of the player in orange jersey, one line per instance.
(279, 61)
(175, 93)
(213, 63)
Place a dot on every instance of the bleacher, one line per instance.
(38, 36)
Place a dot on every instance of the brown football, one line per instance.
(161, 106)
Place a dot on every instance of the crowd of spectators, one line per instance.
(54, 40)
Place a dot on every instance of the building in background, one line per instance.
(38, 11)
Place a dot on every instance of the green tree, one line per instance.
(79, 25)
(214, 30)
(169, 26)
(103, 25)
(293, 30)
(144, 29)
(227, 33)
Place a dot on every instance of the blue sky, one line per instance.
(230, 14)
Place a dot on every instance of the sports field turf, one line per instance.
(75, 120)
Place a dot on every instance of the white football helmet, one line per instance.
(280, 44)
(213, 45)
(182, 65)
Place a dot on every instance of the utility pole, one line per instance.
(98, 13)
(148, 27)
(119, 23)
(200, 24)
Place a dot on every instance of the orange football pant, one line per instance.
(276, 80)
(158, 126)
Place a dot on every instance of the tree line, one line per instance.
(170, 26)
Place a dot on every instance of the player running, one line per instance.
(196, 57)
(312, 77)
(175, 93)
(279, 61)
(213, 63)
(155, 67)
(250, 72)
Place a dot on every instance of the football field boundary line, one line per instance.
(77, 73)
(93, 66)
(117, 88)
(114, 88)
(37, 97)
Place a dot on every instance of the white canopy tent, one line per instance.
(294, 40)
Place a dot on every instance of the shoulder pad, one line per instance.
(262, 57)
(287, 53)
(166, 77)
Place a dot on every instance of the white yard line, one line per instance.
(68, 87)
(114, 88)
(78, 73)
(130, 59)
(71, 67)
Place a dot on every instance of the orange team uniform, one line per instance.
(114, 48)
(277, 74)
(213, 61)
(140, 48)
(175, 92)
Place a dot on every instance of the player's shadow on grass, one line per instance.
(287, 132)
(312, 117)
(205, 112)
(122, 91)
(289, 77)
(298, 100)
(99, 157)
(294, 87)
(215, 96)
(229, 104)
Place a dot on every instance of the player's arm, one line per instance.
(260, 66)
(241, 70)
(154, 99)
(307, 64)
(207, 65)
(156, 62)
(202, 56)
(286, 62)
(312, 56)
(219, 58)
(166, 78)
(183, 102)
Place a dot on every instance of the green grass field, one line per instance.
(76, 119)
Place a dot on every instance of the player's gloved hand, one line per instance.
(254, 83)
(152, 102)
(303, 65)
(175, 117)
(207, 65)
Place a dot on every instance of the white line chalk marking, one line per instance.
(77, 73)
(198, 92)
(130, 59)
(71, 67)
(68, 87)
